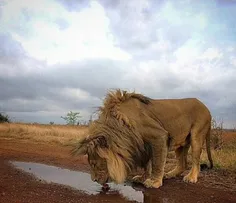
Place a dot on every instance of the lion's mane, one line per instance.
(126, 146)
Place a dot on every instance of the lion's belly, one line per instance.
(178, 141)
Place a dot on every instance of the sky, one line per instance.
(58, 56)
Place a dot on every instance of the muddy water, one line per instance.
(76, 179)
(173, 191)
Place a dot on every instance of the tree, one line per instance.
(71, 118)
(4, 118)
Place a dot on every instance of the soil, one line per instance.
(17, 186)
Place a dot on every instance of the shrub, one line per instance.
(4, 118)
(216, 134)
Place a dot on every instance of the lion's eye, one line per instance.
(93, 165)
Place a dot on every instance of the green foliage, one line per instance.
(51, 122)
(71, 118)
(4, 118)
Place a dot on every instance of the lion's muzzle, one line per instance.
(100, 178)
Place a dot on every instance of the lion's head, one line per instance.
(113, 146)
(105, 165)
(98, 164)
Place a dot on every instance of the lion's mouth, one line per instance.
(103, 181)
(105, 187)
(106, 180)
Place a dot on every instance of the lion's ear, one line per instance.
(101, 141)
(80, 148)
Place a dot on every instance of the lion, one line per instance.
(133, 130)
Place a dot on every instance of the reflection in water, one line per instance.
(76, 179)
(154, 195)
(83, 182)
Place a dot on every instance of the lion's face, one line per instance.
(98, 166)
(105, 164)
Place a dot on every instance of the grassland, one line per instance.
(225, 158)
(59, 134)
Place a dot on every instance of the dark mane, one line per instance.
(112, 102)
(120, 132)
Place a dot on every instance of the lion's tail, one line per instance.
(208, 148)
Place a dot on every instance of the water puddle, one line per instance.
(76, 179)
(173, 191)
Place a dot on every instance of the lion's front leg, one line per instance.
(139, 178)
(159, 154)
(145, 175)
(181, 156)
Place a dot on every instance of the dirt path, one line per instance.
(19, 187)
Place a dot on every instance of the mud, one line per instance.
(20, 182)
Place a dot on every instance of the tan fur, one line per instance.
(114, 162)
(135, 131)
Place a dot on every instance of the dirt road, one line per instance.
(17, 186)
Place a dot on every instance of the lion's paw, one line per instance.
(190, 178)
(169, 175)
(138, 179)
(152, 183)
(172, 174)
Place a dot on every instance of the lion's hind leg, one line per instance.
(181, 156)
(197, 140)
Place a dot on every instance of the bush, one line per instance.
(216, 134)
(4, 118)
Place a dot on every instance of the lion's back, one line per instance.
(177, 116)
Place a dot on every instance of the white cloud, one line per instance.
(162, 45)
(87, 36)
(211, 53)
(179, 14)
(230, 49)
(189, 51)
(162, 49)
(233, 61)
(17, 13)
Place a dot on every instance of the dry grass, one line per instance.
(61, 134)
(64, 134)
(226, 156)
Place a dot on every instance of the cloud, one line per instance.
(73, 5)
(58, 88)
(9, 48)
(211, 53)
(62, 38)
(57, 56)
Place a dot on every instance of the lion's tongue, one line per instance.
(105, 186)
